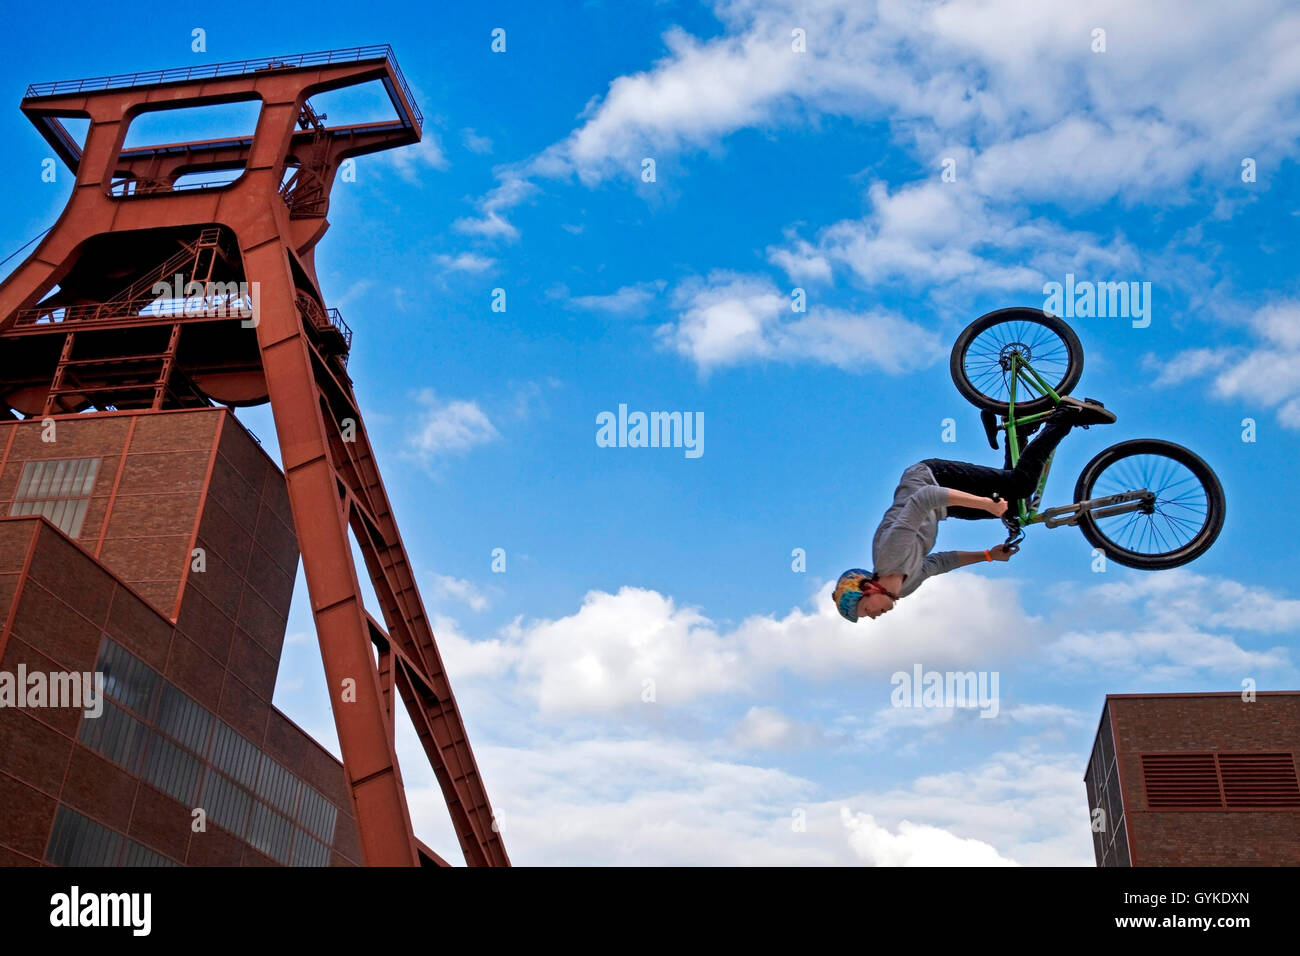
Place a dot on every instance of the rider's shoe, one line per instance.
(990, 423)
(1085, 413)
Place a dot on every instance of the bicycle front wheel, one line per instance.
(981, 358)
(1187, 515)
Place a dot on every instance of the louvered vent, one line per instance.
(1178, 781)
(1220, 781)
(1259, 780)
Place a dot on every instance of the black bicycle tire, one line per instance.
(957, 365)
(1217, 503)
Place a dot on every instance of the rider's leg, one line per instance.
(1012, 484)
(1024, 478)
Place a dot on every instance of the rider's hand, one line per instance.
(1001, 552)
(997, 508)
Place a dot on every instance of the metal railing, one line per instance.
(233, 68)
(336, 320)
(140, 309)
(324, 318)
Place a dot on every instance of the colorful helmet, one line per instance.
(849, 590)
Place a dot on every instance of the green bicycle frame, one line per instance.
(1022, 371)
(1107, 507)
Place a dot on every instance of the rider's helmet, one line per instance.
(849, 589)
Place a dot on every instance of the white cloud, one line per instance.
(410, 162)
(474, 142)
(916, 845)
(465, 262)
(592, 776)
(469, 659)
(491, 224)
(1038, 113)
(1172, 625)
(766, 728)
(1185, 365)
(449, 427)
(729, 319)
(446, 586)
(599, 659)
(1268, 373)
(1030, 805)
(1264, 372)
(934, 234)
(1039, 715)
(800, 260)
(641, 802)
(626, 301)
(620, 801)
(602, 660)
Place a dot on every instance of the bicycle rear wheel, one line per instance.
(1188, 512)
(980, 362)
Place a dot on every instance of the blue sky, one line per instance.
(771, 738)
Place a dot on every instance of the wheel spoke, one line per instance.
(1181, 510)
(1040, 345)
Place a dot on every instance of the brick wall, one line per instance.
(169, 482)
(1205, 723)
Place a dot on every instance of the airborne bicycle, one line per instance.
(1146, 503)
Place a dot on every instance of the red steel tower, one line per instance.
(86, 335)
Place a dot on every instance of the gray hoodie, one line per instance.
(908, 530)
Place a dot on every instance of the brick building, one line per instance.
(1197, 780)
(158, 549)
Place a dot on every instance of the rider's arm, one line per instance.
(941, 562)
(924, 500)
(945, 561)
(960, 499)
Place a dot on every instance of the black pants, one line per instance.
(1010, 483)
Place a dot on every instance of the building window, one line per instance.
(116, 735)
(127, 679)
(309, 852)
(270, 832)
(277, 786)
(317, 814)
(183, 720)
(59, 490)
(226, 803)
(79, 841)
(172, 770)
(137, 855)
(180, 744)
